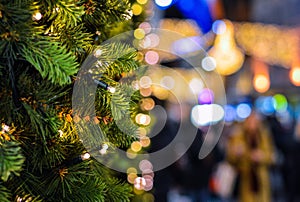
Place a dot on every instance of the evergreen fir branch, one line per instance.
(118, 191)
(25, 186)
(104, 14)
(52, 60)
(63, 13)
(77, 40)
(28, 198)
(115, 59)
(45, 125)
(74, 183)
(11, 159)
(43, 94)
(5, 194)
(120, 138)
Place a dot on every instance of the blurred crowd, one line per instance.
(255, 160)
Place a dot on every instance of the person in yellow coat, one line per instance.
(250, 151)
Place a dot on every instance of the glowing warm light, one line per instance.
(257, 40)
(111, 89)
(137, 9)
(151, 57)
(295, 75)
(261, 80)
(243, 110)
(131, 177)
(161, 93)
(145, 82)
(163, 3)
(229, 58)
(203, 115)
(261, 83)
(167, 82)
(142, 132)
(131, 154)
(209, 63)
(85, 156)
(104, 149)
(139, 33)
(142, 1)
(145, 141)
(37, 16)
(147, 104)
(139, 183)
(145, 92)
(136, 146)
(143, 119)
(131, 170)
(196, 85)
(61, 133)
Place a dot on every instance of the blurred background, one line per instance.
(249, 52)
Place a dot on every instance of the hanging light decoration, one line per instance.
(229, 58)
(295, 73)
(261, 79)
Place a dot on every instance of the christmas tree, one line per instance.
(43, 45)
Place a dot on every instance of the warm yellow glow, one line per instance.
(147, 104)
(37, 16)
(229, 58)
(295, 75)
(136, 146)
(261, 80)
(137, 9)
(139, 33)
(272, 43)
(131, 177)
(131, 170)
(145, 141)
(145, 92)
(143, 119)
(261, 83)
(142, 1)
(131, 154)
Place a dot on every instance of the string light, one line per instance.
(37, 16)
(85, 156)
(104, 149)
(60, 133)
(104, 85)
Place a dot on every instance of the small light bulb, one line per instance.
(103, 151)
(60, 133)
(98, 53)
(85, 156)
(37, 16)
(5, 128)
(105, 146)
(111, 89)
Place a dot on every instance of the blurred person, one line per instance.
(250, 151)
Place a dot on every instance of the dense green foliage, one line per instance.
(43, 43)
